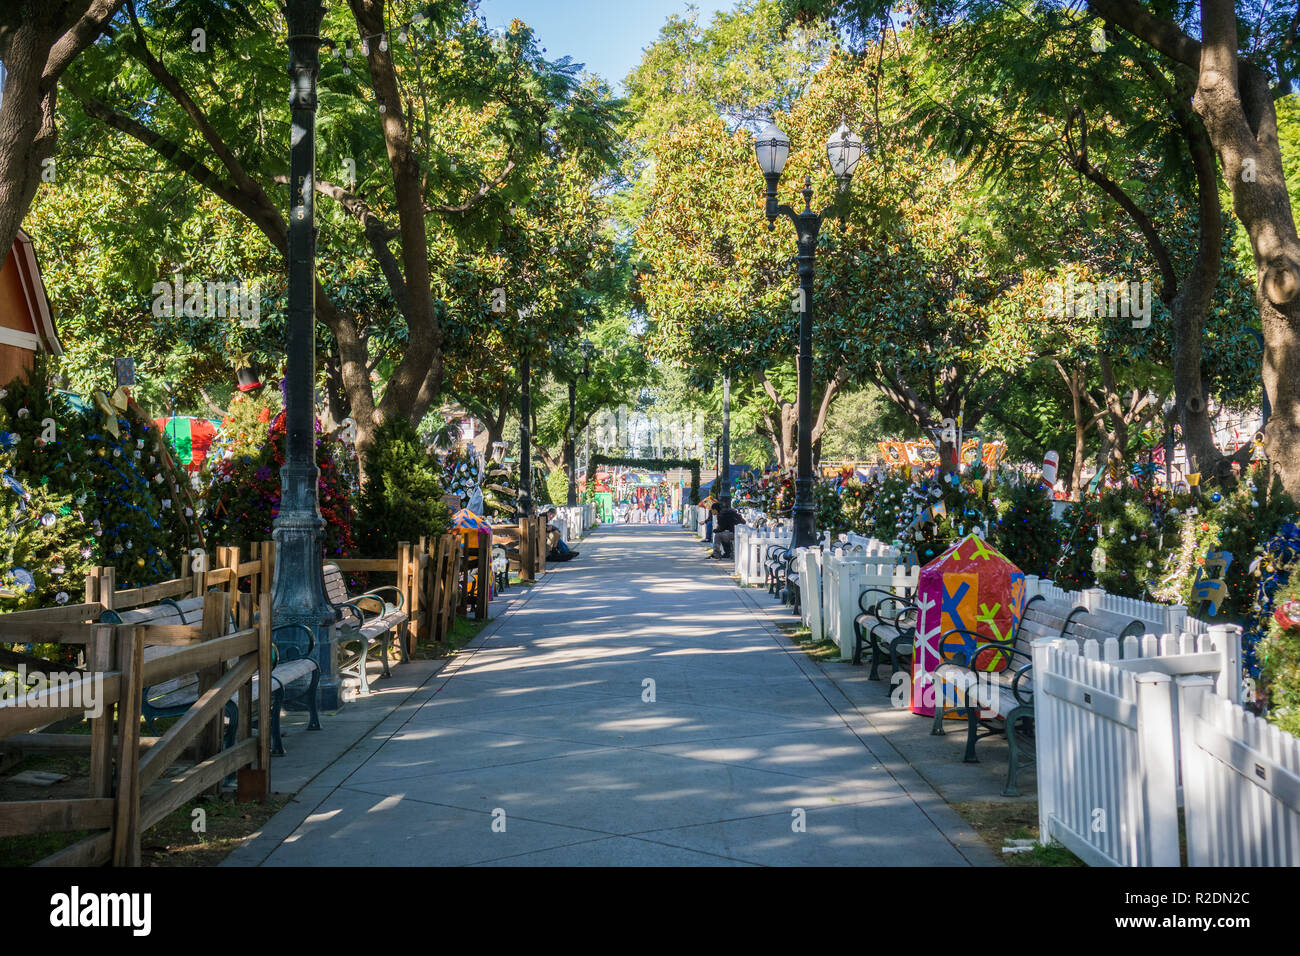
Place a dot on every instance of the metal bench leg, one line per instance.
(388, 638)
(857, 644)
(877, 658)
(895, 658)
(403, 635)
(277, 744)
(362, 676)
(972, 729)
(313, 695)
(937, 729)
(1012, 788)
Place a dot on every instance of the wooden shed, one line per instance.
(26, 323)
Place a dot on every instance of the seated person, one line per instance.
(558, 550)
(724, 530)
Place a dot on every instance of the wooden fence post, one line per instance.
(264, 616)
(539, 542)
(268, 567)
(527, 562)
(99, 660)
(107, 585)
(484, 593)
(216, 618)
(450, 582)
(126, 825)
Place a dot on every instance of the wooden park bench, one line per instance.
(993, 680)
(887, 623)
(774, 567)
(175, 696)
(370, 621)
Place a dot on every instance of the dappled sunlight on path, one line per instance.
(631, 710)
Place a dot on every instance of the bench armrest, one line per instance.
(342, 606)
(1025, 698)
(962, 656)
(275, 650)
(373, 592)
(886, 597)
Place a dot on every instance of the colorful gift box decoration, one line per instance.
(970, 587)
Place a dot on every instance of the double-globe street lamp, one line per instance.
(843, 149)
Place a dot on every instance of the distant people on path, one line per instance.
(724, 530)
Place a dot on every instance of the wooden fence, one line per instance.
(128, 791)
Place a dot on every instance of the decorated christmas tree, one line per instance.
(85, 484)
(241, 477)
(1024, 530)
(402, 500)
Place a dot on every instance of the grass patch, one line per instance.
(172, 842)
(464, 630)
(996, 823)
(821, 651)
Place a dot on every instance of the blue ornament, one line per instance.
(24, 579)
(1216, 497)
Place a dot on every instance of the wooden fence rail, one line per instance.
(128, 792)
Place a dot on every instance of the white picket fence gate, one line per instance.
(1126, 732)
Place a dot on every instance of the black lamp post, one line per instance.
(844, 149)
(299, 529)
(724, 487)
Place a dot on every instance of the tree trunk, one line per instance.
(38, 40)
(1234, 99)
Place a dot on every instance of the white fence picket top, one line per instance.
(1242, 784)
(1106, 774)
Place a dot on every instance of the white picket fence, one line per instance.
(1126, 732)
(578, 520)
(1241, 790)
(750, 550)
(844, 578)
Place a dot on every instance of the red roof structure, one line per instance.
(26, 323)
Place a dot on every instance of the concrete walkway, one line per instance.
(632, 709)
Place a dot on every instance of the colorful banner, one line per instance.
(971, 586)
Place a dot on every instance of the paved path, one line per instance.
(541, 745)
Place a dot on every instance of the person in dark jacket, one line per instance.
(724, 530)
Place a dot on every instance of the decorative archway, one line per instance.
(653, 464)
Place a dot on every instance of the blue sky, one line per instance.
(607, 35)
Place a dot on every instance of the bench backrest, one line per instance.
(336, 589)
(1045, 619)
(188, 611)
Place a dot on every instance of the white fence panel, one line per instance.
(1241, 785)
(1106, 776)
(810, 591)
(846, 576)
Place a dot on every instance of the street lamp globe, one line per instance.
(844, 149)
(773, 148)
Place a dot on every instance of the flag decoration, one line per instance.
(973, 587)
(191, 438)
